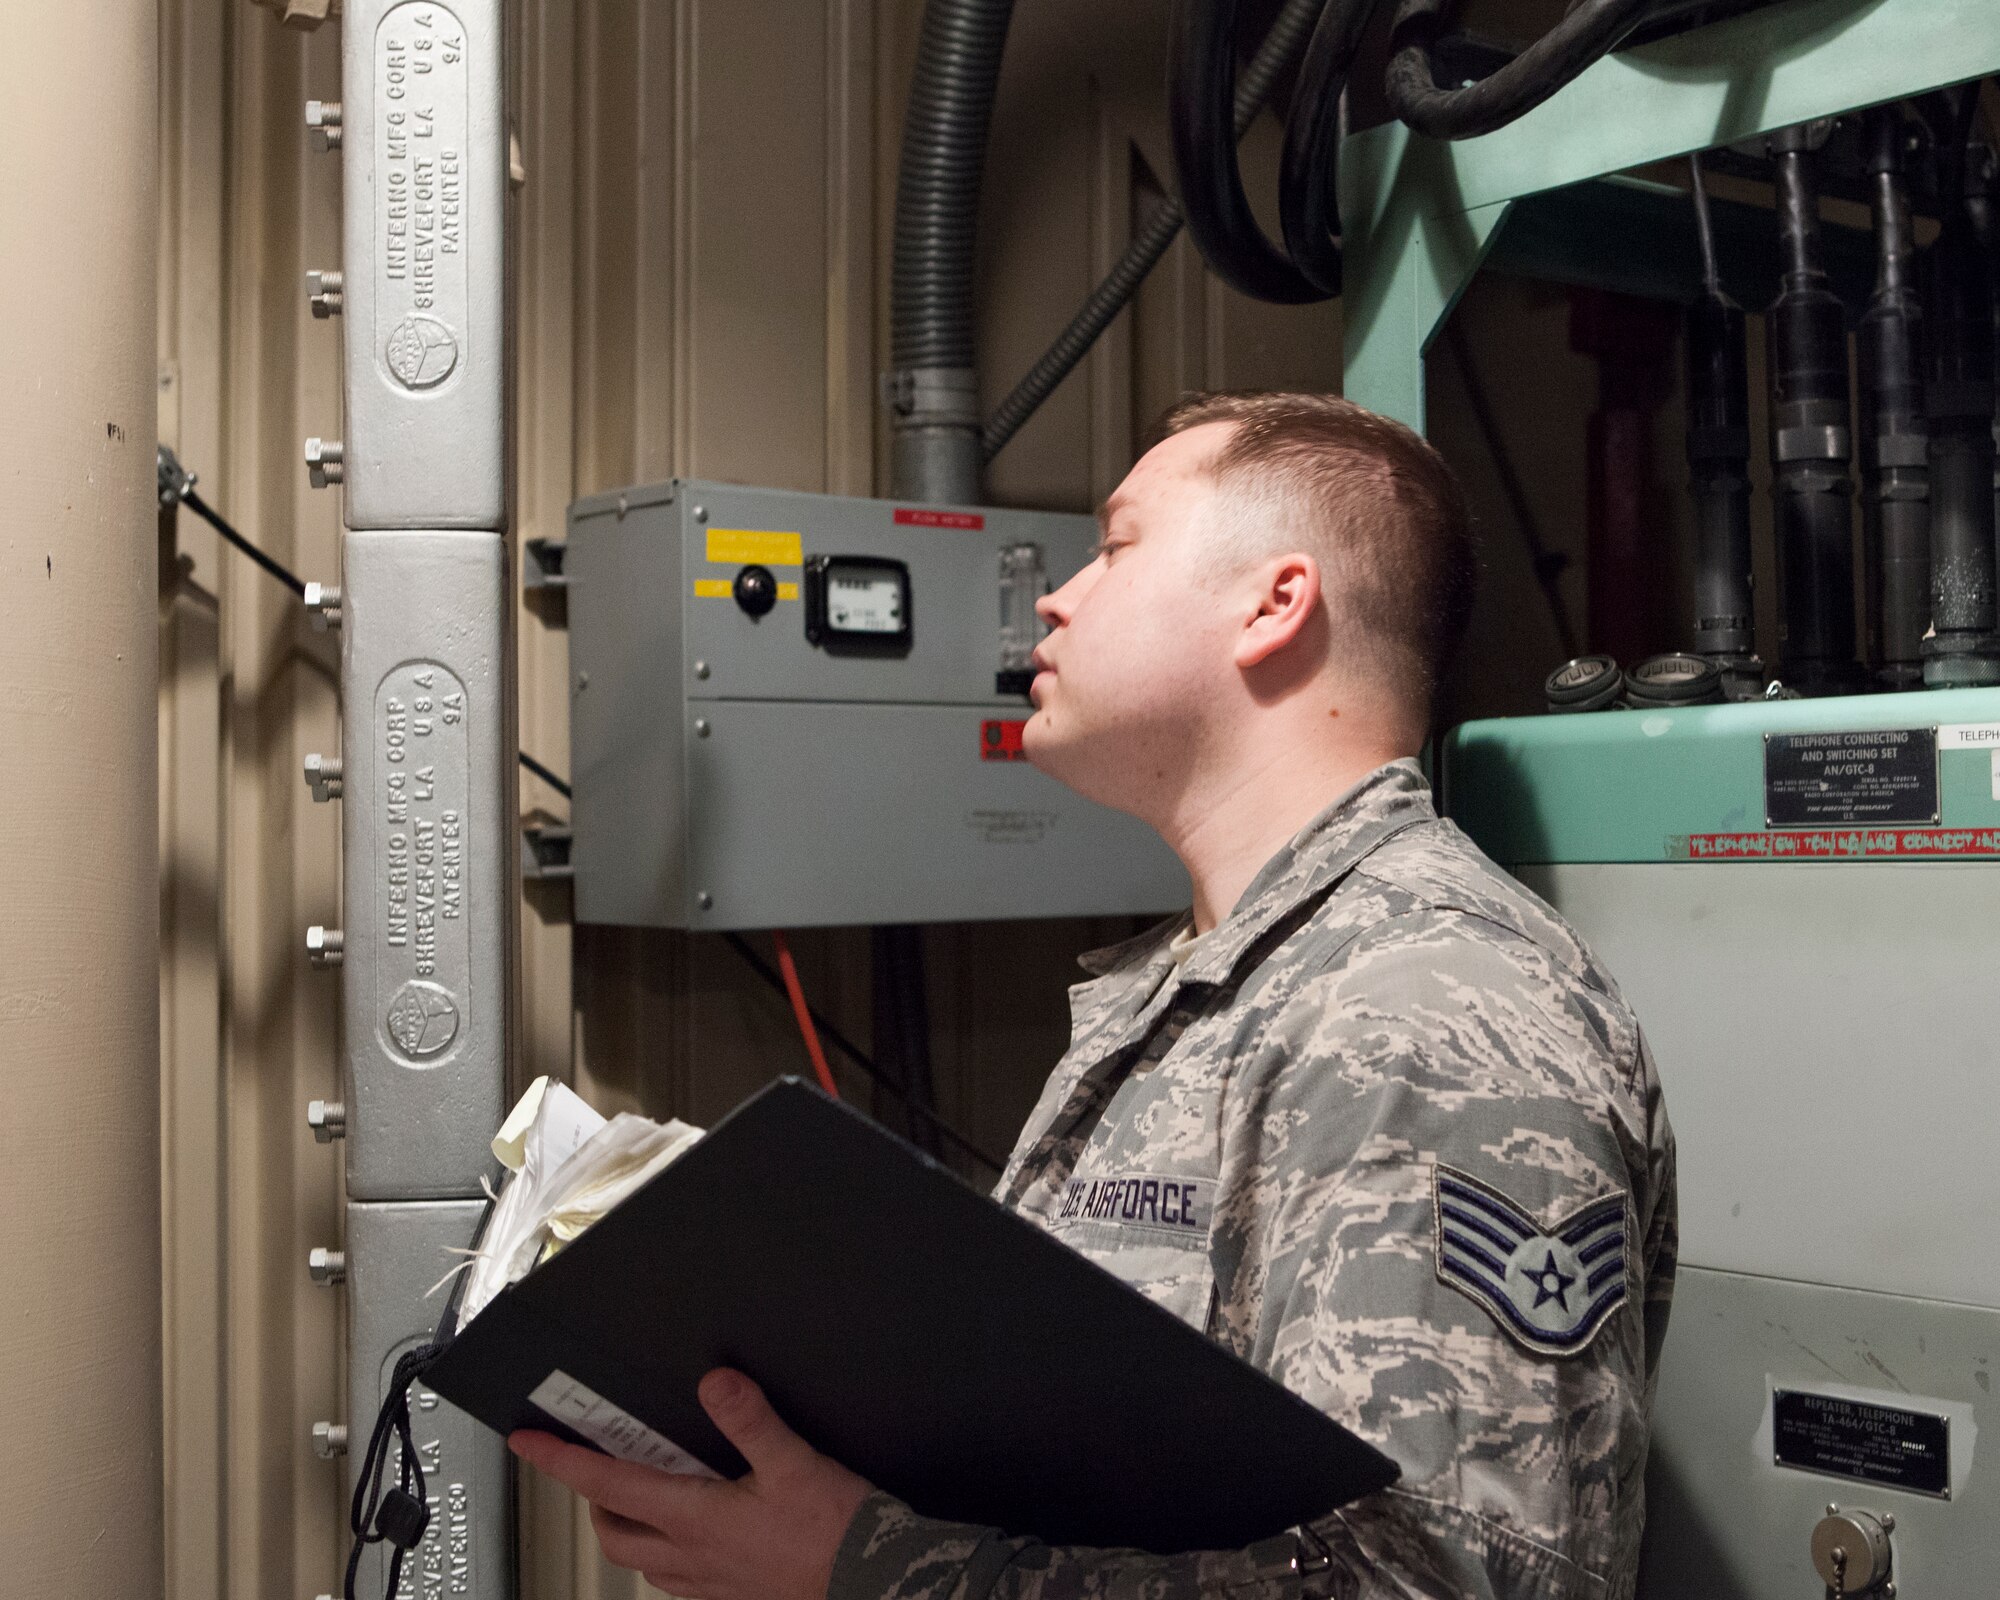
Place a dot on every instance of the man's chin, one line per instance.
(1069, 761)
(1044, 746)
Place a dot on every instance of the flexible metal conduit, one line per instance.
(934, 386)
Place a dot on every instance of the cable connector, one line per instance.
(175, 479)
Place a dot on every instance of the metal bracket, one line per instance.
(545, 848)
(545, 564)
(175, 479)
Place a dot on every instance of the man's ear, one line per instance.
(1286, 593)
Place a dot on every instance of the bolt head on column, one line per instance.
(323, 777)
(326, 1267)
(327, 1119)
(323, 123)
(329, 1439)
(325, 462)
(323, 293)
(322, 601)
(325, 946)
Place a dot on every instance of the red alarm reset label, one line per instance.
(1001, 741)
(924, 517)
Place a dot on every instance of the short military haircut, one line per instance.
(1370, 499)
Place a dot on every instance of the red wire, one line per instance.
(804, 1015)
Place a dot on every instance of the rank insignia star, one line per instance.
(1550, 1288)
(1552, 1283)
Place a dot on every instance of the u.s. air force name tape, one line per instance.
(1550, 1288)
(1140, 1200)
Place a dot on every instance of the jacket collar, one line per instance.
(1388, 800)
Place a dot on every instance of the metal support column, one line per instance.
(424, 773)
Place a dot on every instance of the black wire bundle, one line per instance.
(1583, 36)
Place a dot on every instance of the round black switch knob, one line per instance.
(756, 590)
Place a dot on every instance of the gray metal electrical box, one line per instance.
(793, 710)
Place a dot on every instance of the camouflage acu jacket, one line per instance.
(1392, 1135)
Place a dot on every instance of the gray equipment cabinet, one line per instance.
(793, 710)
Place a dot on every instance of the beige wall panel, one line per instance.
(80, 1331)
(758, 331)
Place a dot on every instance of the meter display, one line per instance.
(859, 602)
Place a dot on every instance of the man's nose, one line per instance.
(1055, 609)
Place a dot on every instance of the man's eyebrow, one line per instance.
(1107, 511)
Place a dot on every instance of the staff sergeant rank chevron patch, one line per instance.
(1550, 1288)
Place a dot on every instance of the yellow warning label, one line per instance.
(738, 546)
(724, 589)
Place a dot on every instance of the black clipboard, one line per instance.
(949, 1351)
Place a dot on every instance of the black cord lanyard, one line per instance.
(400, 1516)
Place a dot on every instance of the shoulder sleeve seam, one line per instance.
(1625, 1061)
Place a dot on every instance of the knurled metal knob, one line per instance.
(323, 123)
(327, 1267)
(325, 462)
(329, 1439)
(323, 777)
(322, 602)
(325, 946)
(327, 1119)
(323, 293)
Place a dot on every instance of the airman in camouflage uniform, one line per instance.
(1385, 1129)
(1388, 1051)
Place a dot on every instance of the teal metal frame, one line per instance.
(1419, 215)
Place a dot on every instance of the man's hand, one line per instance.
(769, 1536)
